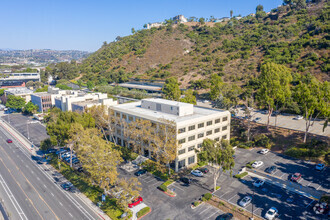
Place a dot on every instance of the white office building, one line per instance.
(193, 124)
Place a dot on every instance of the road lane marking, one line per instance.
(70, 214)
(52, 194)
(60, 203)
(12, 199)
(45, 186)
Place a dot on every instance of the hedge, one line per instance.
(239, 176)
(249, 165)
(207, 196)
(163, 187)
(143, 211)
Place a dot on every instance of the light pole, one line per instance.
(252, 201)
(27, 129)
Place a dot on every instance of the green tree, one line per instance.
(2, 91)
(90, 85)
(15, 102)
(274, 86)
(220, 155)
(189, 97)
(216, 85)
(313, 98)
(79, 83)
(231, 13)
(202, 21)
(30, 108)
(171, 89)
(46, 144)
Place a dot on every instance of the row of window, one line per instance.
(201, 135)
(182, 163)
(201, 125)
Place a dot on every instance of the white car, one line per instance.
(320, 166)
(196, 173)
(271, 213)
(245, 201)
(298, 117)
(264, 151)
(206, 101)
(257, 164)
(257, 119)
(258, 182)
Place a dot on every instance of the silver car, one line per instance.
(245, 201)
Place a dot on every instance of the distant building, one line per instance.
(180, 19)
(21, 92)
(193, 125)
(18, 79)
(156, 25)
(149, 87)
(69, 100)
(221, 19)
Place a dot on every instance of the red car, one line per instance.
(135, 202)
(9, 141)
(295, 177)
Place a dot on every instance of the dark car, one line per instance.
(140, 172)
(271, 169)
(185, 180)
(203, 170)
(9, 141)
(226, 216)
(67, 186)
(295, 177)
(52, 150)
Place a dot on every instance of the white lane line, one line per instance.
(212, 215)
(12, 199)
(32, 171)
(71, 215)
(282, 175)
(309, 183)
(45, 186)
(224, 194)
(176, 186)
(318, 187)
(232, 198)
(52, 194)
(255, 210)
(60, 203)
(204, 210)
(309, 203)
(38, 178)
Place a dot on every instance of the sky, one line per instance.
(86, 24)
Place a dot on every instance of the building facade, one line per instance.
(21, 92)
(18, 79)
(193, 124)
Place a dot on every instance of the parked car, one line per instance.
(271, 169)
(185, 180)
(203, 170)
(9, 141)
(196, 173)
(275, 113)
(257, 164)
(258, 182)
(319, 166)
(298, 117)
(140, 172)
(257, 119)
(264, 112)
(271, 213)
(264, 151)
(67, 186)
(296, 177)
(226, 216)
(135, 202)
(245, 201)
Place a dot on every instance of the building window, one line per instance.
(191, 148)
(191, 138)
(217, 121)
(182, 163)
(192, 127)
(208, 123)
(182, 151)
(191, 160)
(224, 128)
(217, 139)
(224, 137)
(217, 130)
(199, 145)
(181, 141)
(200, 135)
(181, 130)
(201, 125)
(224, 119)
(117, 114)
(124, 117)
(130, 118)
(208, 132)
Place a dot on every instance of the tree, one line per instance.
(46, 144)
(90, 85)
(274, 86)
(30, 108)
(99, 159)
(259, 8)
(231, 13)
(216, 84)
(2, 91)
(260, 13)
(189, 97)
(202, 21)
(313, 98)
(171, 89)
(124, 190)
(15, 102)
(133, 31)
(79, 83)
(220, 155)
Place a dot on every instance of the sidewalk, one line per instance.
(293, 187)
(27, 144)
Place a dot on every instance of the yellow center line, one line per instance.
(30, 185)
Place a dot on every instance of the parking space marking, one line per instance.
(309, 203)
(256, 210)
(212, 214)
(318, 187)
(224, 194)
(232, 197)
(282, 175)
(205, 210)
(176, 186)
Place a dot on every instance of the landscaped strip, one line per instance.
(143, 212)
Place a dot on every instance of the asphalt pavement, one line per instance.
(28, 189)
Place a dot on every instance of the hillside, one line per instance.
(296, 37)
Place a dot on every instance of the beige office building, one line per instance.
(194, 124)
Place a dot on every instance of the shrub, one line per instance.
(261, 140)
(196, 203)
(168, 182)
(143, 211)
(218, 187)
(204, 199)
(221, 203)
(163, 187)
(207, 196)
(249, 165)
(239, 176)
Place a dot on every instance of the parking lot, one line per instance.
(27, 127)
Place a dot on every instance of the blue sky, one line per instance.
(86, 24)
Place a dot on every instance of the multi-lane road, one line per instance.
(28, 189)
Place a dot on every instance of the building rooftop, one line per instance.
(144, 86)
(135, 108)
(85, 103)
(19, 90)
